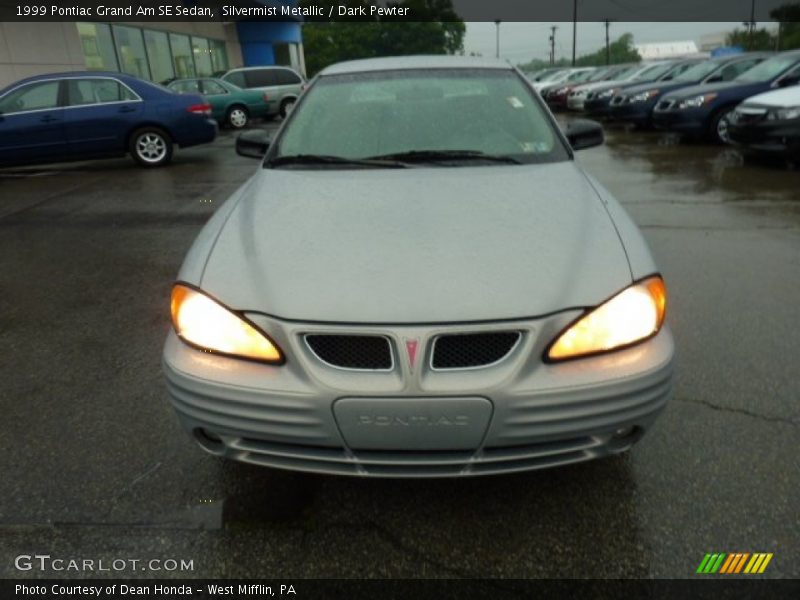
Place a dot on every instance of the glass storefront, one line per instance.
(150, 54)
(159, 54)
(98, 47)
(130, 50)
(182, 55)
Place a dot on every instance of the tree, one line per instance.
(788, 17)
(439, 32)
(620, 51)
(762, 39)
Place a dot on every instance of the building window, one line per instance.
(219, 56)
(131, 52)
(182, 55)
(159, 55)
(202, 57)
(98, 47)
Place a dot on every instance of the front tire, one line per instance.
(718, 127)
(237, 117)
(151, 147)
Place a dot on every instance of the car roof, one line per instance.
(70, 74)
(414, 62)
(260, 68)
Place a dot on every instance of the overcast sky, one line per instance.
(520, 42)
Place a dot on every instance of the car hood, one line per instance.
(663, 87)
(709, 88)
(417, 245)
(778, 98)
(591, 87)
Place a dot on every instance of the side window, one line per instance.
(34, 96)
(733, 70)
(213, 88)
(236, 78)
(791, 77)
(96, 91)
(284, 77)
(188, 86)
(260, 78)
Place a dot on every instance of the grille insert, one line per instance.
(472, 350)
(355, 352)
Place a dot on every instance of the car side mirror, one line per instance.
(789, 81)
(583, 133)
(253, 143)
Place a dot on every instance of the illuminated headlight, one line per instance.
(203, 322)
(784, 114)
(578, 94)
(633, 315)
(697, 101)
(644, 96)
(606, 93)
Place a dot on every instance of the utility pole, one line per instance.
(553, 44)
(752, 24)
(497, 53)
(608, 50)
(575, 28)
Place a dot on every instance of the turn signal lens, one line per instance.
(203, 322)
(635, 314)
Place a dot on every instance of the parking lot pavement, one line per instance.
(95, 465)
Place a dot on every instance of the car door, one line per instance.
(100, 111)
(32, 123)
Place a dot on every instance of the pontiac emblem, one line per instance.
(411, 350)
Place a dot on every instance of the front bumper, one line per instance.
(778, 138)
(638, 112)
(532, 415)
(690, 121)
(576, 102)
(598, 107)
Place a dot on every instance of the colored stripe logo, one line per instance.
(734, 563)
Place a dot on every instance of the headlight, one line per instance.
(784, 114)
(206, 324)
(606, 93)
(633, 315)
(697, 101)
(644, 96)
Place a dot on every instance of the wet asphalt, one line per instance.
(94, 464)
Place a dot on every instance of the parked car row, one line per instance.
(748, 99)
(85, 115)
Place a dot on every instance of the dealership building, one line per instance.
(151, 50)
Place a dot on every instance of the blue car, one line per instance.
(77, 116)
(635, 104)
(703, 110)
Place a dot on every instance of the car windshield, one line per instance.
(627, 72)
(699, 71)
(769, 69)
(655, 71)
(580, 76)
(450, 116)
(599, 74)
(553, 75)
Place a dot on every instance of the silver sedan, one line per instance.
(419, 281)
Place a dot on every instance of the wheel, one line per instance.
(151, 147)
(237, 117)
(286, 107)
(718, 128)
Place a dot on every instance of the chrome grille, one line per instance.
(472, 350)
(353, 352)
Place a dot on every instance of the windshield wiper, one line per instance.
(445, 155)
(324, 159)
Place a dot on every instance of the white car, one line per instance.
(559, 77)
(768, 123)
(578, 96)
(419, 280)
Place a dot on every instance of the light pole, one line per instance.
(574, 28)
(497, 51)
